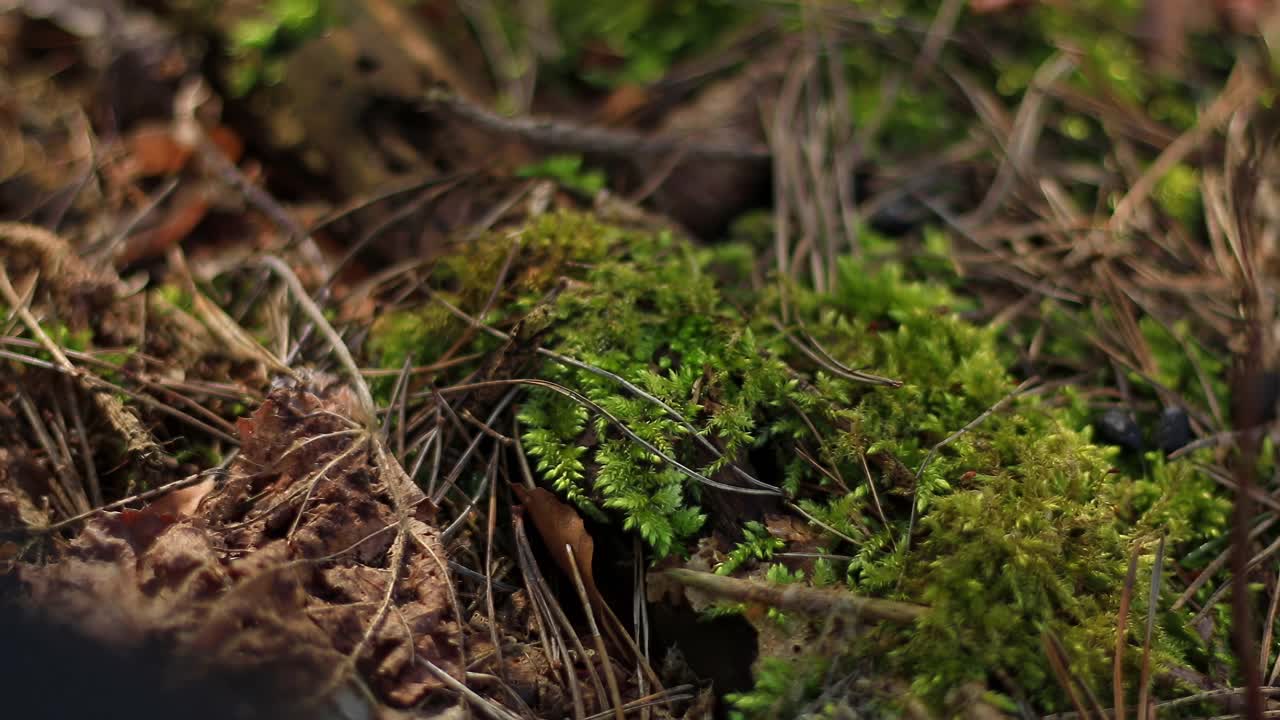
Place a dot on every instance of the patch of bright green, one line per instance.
(423, 333)
(651, 315)
(62, 335)
(1174, 499)
(757, 544)
(420, 335)
(68, 339)
(258, 44)
(918, 119)
(1075, 127)
(1021, 525)
(568, 171)
(641, 38)
(176, 296)
(1017, 527)
(781, 689)
(1177, 355)
(1178, 193)
(204, 456)
(1031, 546)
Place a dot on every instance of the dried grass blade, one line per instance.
(1122, 620)
(1153, 600)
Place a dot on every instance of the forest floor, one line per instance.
(572, 359)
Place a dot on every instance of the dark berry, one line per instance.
(1174, 430)
(1117, 427)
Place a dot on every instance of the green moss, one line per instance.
(1178, 193)
(176, 296)
(62, 335)
(1175, 500)
(1022, 526)
(1032, 546)
(781, 689)
(203, 456)
(1016, 527)
(638, 40)
(423, 333)
(650, 315)
(757, 544)
(568, 171)
(420, 335)
(258, 44)
(1177, 355)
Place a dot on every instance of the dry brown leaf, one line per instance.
(223, 574)
(182, 503)
(188, 207)
(154, 151)
(559, 525)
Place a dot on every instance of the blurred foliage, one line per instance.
(616, 42)
(259, 44)
(568, 171)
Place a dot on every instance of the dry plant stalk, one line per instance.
(806, 600)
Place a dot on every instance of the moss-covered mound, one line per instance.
(874, 415)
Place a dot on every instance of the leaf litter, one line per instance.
(300, 535)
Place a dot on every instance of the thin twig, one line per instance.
(1153, 602)
(165, 489)
(558, 134)
(137, 438)
(316, 316)
(1122, 620)
(606, 665)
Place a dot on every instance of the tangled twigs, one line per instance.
(57, 255)
(316, 316)
(153, 493)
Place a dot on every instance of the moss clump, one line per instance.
(615, 42)
(781, 689)
(1014, 530)
(650, 315)
(423, 333)
(258, 44)
(420, 335)
(1030, 547)
(568, 171)
(1018, 527)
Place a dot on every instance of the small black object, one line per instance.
(1174, 431)
(1117, 427)
(1270, 392)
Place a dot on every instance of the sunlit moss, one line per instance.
(1016, 527)
(1178, 192)
(258, 44)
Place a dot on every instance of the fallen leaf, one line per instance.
(153, 151)
(182, 503)
(187, 208)
(222, 573)
(559, 525)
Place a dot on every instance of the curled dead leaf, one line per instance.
(559, 524)
(182, 503)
